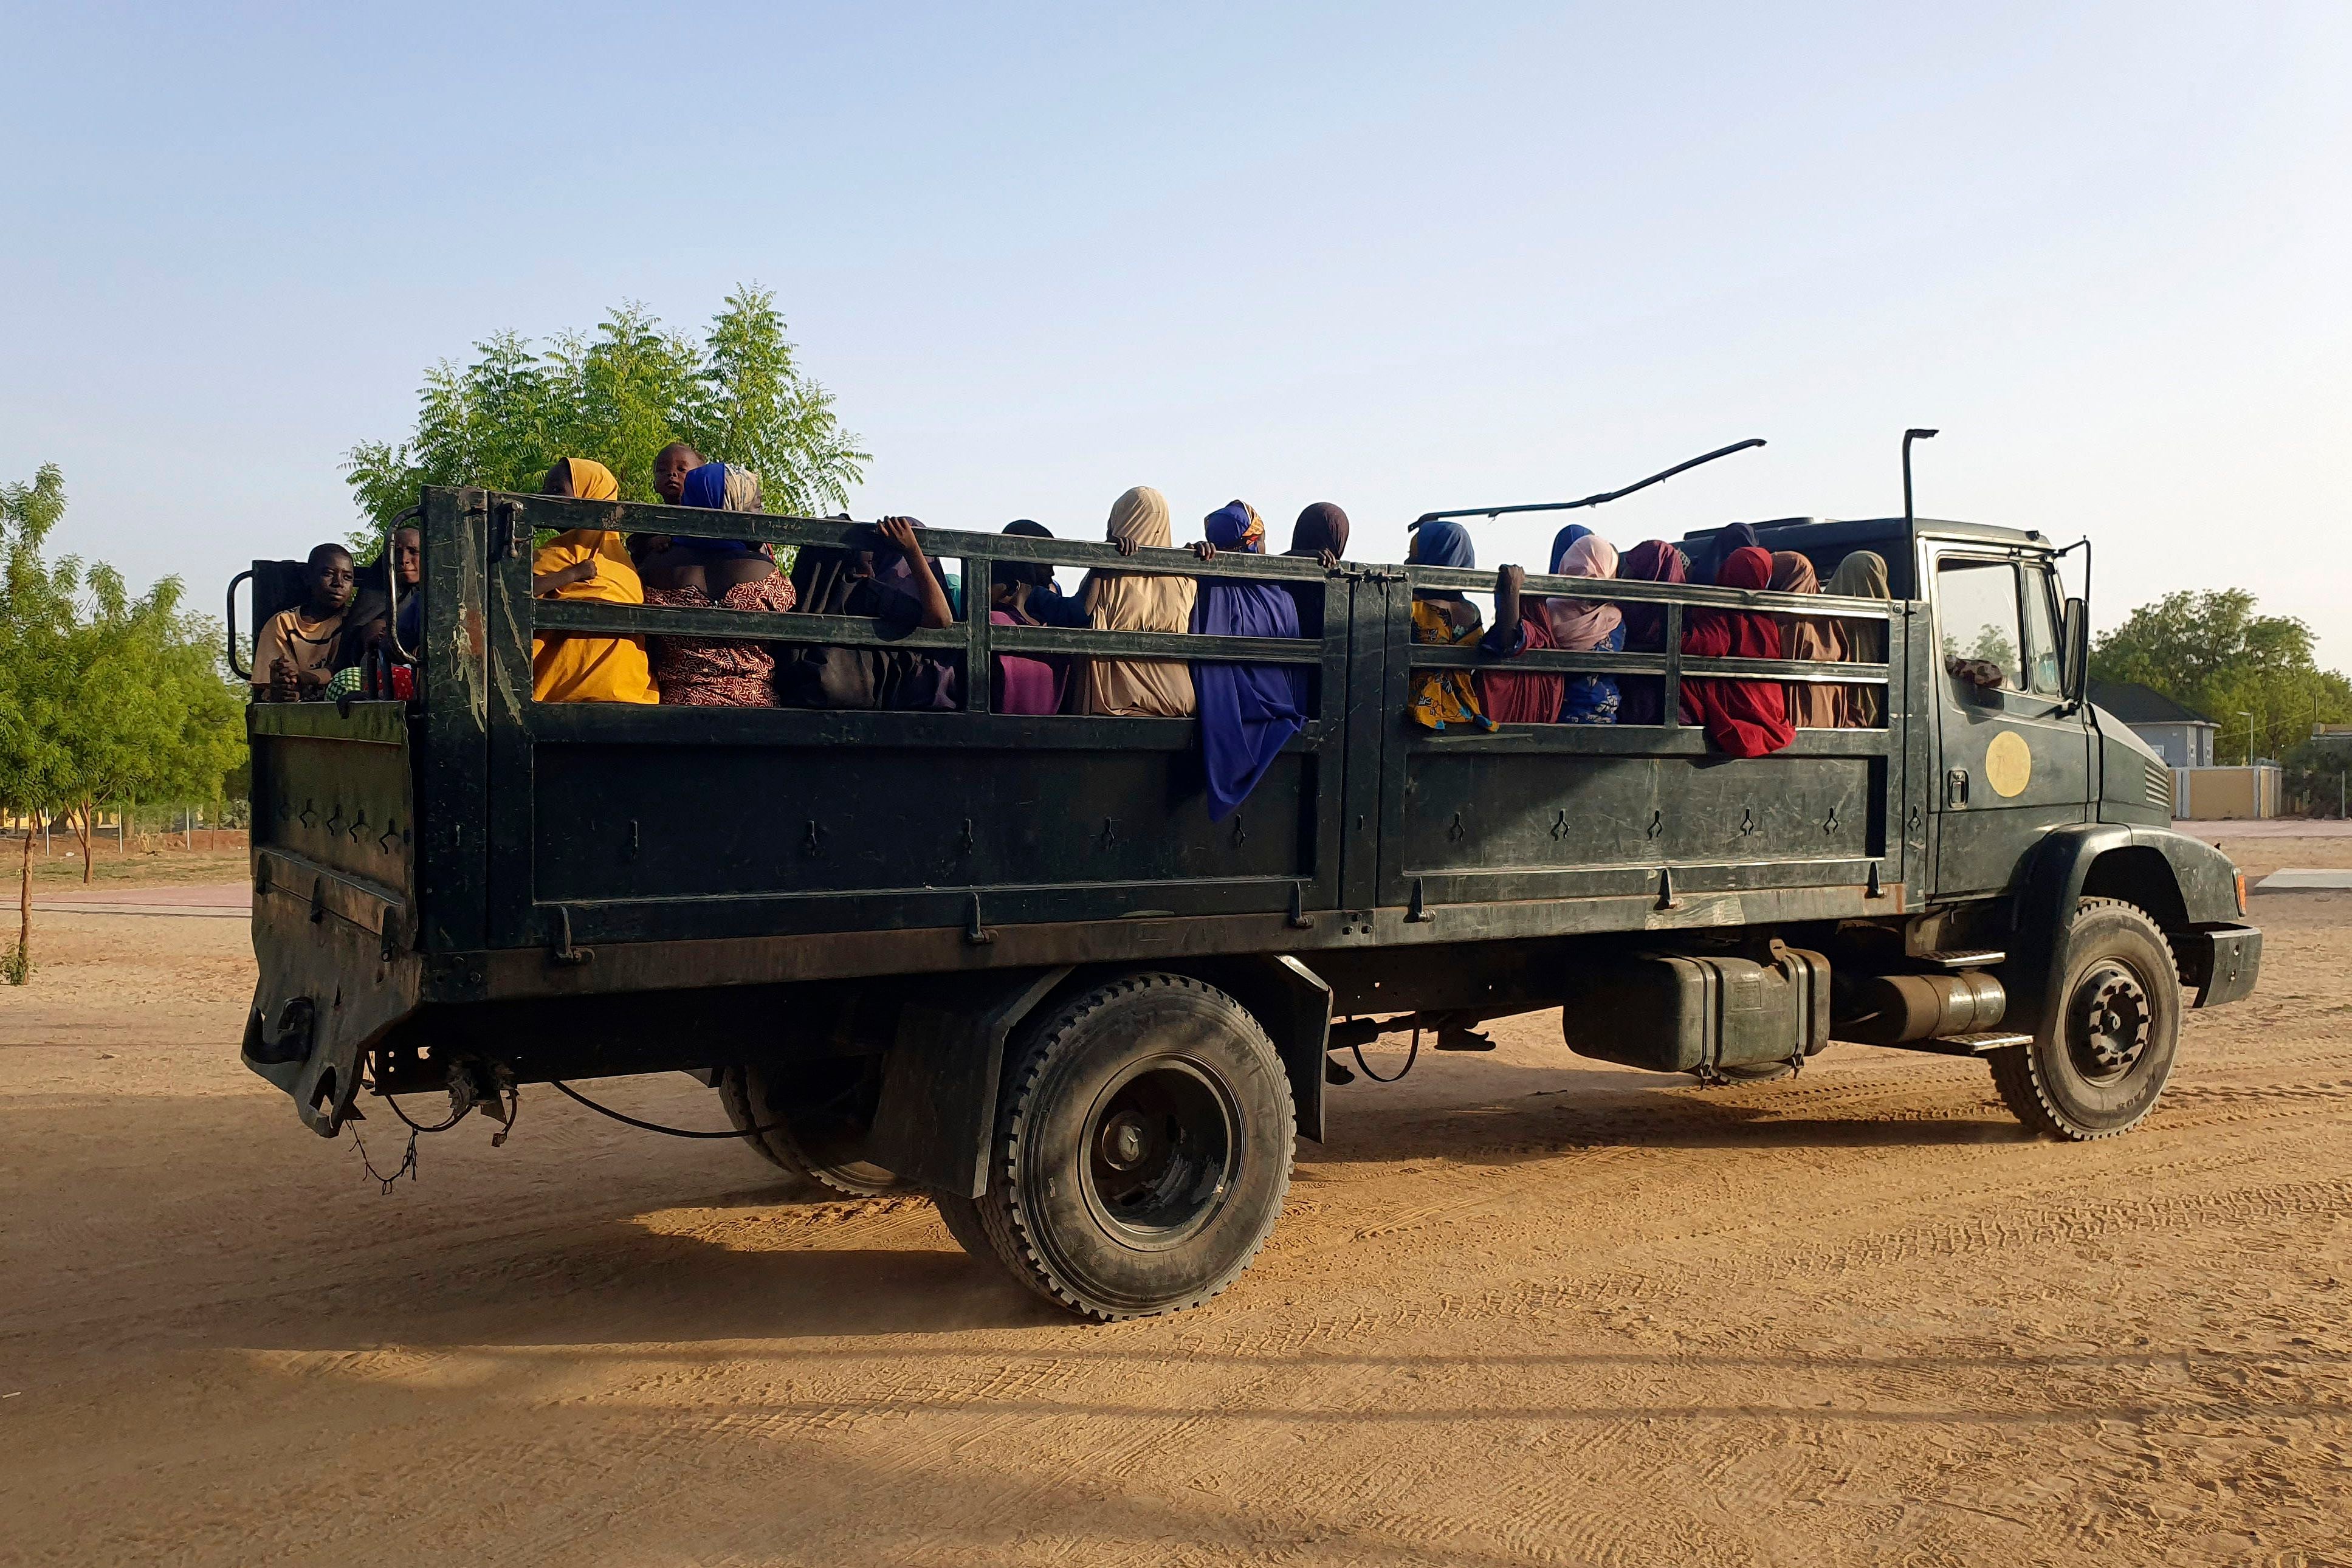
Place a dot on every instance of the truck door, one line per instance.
(2013, 763)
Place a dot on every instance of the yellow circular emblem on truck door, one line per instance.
(2008, 764)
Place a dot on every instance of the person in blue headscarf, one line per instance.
(712, 567)
(722, 486)
(1247, 711)
(1443, 618)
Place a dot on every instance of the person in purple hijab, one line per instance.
(1247, 711)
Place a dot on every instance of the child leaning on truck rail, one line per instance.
(1137, 602)
(1862, 575)
(296, 651)
(1248, 711)
(890, 581)
(1819, 639)
(1586, 626)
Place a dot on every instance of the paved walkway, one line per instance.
(218, 900)
(2302, 881)
(2270, 828)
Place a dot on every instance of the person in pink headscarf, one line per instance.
(1558, 622)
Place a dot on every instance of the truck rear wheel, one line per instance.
(812, 1121)
(2105, 1050)
(1141, 1153)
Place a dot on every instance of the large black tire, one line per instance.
(1142, 1151)
(2105, 1049)
(960, 1214)
(811, 1117)
(735, 1098)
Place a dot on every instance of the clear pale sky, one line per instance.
(1399, 259)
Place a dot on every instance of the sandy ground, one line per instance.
(1522, 1310)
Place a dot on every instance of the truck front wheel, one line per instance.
(1141, 1153)
(2105, 1049)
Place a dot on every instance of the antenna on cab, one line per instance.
(1603, 500)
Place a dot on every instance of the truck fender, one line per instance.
(2042, 907)
(942, 1073)
(2179, 881)
(2204, 880)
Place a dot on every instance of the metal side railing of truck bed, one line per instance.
(1528, 815)
(693, 846)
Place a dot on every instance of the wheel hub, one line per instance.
(1124, 1141)
(2109, 1024)
(1164, 1153)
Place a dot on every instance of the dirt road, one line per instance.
(1521, 1310)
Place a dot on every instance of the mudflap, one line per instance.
(335, 976)
(2219, 962)
(940, 1080)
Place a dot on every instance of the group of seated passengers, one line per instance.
(1247, 711)
(321, 647)
(1744, 717)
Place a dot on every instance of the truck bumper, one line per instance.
(2221, 961)
(335, 976)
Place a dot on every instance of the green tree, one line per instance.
(2214, 653)
(36, 621)
(103, 697)
(149, 716)
(619, 395)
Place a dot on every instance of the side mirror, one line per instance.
(2074, 647)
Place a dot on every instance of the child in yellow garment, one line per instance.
(587, 563)
(1443, 617)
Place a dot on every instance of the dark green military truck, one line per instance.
(1010, 962)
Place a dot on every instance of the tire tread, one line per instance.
(2018, 1072)
(1000, 1212)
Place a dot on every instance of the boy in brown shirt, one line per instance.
(294, 652)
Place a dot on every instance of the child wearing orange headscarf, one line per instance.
(587, 563)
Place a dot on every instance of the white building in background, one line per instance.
(2181, 736)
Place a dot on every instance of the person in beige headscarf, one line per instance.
(1861, 575)
(1817, 639)
(1135, 602)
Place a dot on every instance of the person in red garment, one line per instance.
(1744, 717)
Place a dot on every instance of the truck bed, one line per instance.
(481, 847)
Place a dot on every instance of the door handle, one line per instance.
(1956, 787)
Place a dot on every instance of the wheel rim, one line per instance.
(2109, 1022)
(1162, 1146)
